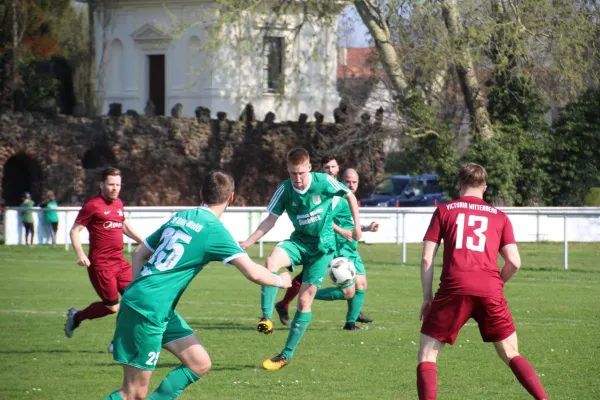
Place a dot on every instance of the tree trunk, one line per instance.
(15, 54)
(480, 120)
(380, 31)
(91, 79)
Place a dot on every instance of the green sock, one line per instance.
(114, 396)
(174, 383)
(330, 293)
(267, 299)
(355, 305)
(298, 327)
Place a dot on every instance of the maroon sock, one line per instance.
(292, 292)
(527, 376)
(93, 311)
(427, 381)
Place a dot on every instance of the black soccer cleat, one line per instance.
(351, 326)
(363, 318)
(284, 316)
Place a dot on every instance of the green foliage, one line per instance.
(523, 135)
(592, 199)
(576, 151)
(432, 149)
(38, 82)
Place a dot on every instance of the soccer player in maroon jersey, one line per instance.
(471, 285)
(108, 270)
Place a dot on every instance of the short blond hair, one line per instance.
(472, 175)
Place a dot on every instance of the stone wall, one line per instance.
(163, 159)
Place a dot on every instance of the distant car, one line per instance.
(406, 191)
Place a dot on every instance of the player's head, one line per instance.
(50, 195)
(472, 178)
(26, 196)
(110, 186)
(330, 166)
(217, 189)
(350, 179)
(298, 164)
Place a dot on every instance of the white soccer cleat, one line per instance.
(110, 347)
(70, 325)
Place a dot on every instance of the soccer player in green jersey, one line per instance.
(307, 198)
(343, 217)
(163, 267)
(347, 247)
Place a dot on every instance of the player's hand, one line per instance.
(83, 261)
(347, 234)
(373, 227)
(357, 233)
(286, 280)
(244, 245)
(425, 309)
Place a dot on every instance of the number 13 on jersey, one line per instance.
(480, 223)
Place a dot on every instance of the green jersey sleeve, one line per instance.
(333, 187)
(277, 204)
(153, 240)
(222, 247)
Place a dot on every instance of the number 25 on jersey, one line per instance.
(480, 223)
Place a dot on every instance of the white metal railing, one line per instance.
(397, 225)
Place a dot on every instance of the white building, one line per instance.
(142, 53)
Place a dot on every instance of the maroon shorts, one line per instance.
(108, 283)
(449, 313)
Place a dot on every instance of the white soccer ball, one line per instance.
(341, 271)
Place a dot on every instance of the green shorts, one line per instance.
(138, 340)
(351, 254)
(315, 262)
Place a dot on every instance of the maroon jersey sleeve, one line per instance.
(86, 213)
(508, 235)
(434, 232)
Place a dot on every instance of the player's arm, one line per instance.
(258, 274)
(131, 233)
(76, 242)
(427, 257)
(265, 226)
(512, 261)
(346, 233)
(353, 203)
(140, 255)
(372, 227)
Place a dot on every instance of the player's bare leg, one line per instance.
(429, 349)
(195, 363)
(361, 285)
(298, 327)
(276, 260)
(508, 350)
(135, 384)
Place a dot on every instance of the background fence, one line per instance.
(397, 225)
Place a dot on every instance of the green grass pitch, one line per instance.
(556, 313)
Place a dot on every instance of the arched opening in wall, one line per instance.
(98, 157)
(21, 174)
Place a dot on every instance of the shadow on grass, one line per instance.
(221, 326)
(170, 366)
(52, 351)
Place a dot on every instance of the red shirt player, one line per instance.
(471, 285)
(108, 270)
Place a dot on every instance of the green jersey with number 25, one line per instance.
(181, 248)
